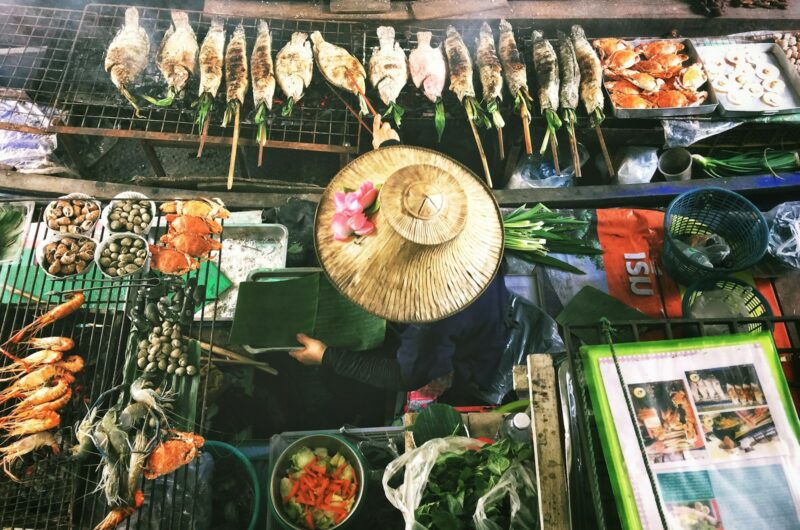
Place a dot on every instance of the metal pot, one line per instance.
(334, 444)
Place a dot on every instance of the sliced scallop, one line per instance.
(767, 71)
(773, 85)
(733, 57)
(771, 98)
(722, 84)
(739, 97)
(755, 89)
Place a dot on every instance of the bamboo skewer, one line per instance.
(500, 143)
(526, 127)
(484, 162)
(606, 156)
(234, 145)
(351, 109)
(203, 135)
(260, 153)
(576, 154)
(554, 150)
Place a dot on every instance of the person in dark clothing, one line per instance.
(463, 349)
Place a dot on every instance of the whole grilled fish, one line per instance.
(261, 67)
(570, 73)
(591, 72)
(236, 66)
(388, 71)
(460, 65)
(127, 55)
(177, 54)
(294, 66)
(513, 64)
(546, 65)
(212, 57)
(489, 69)
(339, 67)
(427, 66)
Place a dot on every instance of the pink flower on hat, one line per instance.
(350, 207)
(361, 225)
(341, 227)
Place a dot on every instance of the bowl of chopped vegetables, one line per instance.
(317, 483)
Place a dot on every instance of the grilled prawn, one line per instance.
(13, 452)
(176, 57)
(263, 79)
(340, 68)
(127, 55)
(294, 66)
(211, 59)
(429, 72)
(388, 71)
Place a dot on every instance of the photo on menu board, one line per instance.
(725, 388)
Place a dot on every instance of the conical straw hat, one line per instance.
(438, 240)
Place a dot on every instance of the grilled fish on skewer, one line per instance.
(568, 92)
(428, 72)
(516, 78)
(388, 71)
(235, 72)
(491, 74)
(340, 68)
(212, 57)
(545, 63)
(294, 67)
(127, 55)
(591, 76)
(263, 79)
(176, 57)
(460, 64)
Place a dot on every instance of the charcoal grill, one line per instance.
(57, 493)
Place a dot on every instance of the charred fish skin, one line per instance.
(427, 67)
(236, 66)
(570, 73)
(128, 52)
(212, 57)
(591, 72)
(512, 61)
(460, 64)
(339, 67)
(489, 68)
(177, 54)
(546, 65)
(388, 71)
(294, 66)
(261, 67)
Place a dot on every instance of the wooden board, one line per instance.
(438, 9)
(553, 504)
(360, 6)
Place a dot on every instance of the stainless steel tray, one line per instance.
(789, 98)
(708, 107)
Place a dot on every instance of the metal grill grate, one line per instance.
(57, 492)
(591, 498)
(35, 44)
(93, 106)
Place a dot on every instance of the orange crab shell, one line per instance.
(671, 60)
(630, 101)
(661, 47)
(198, 207)
(172, 454)
(691, 77)
(195, 245)
(608, 46)
(650, 67)
(646, 82)
(171, 261)
(180, 224)
(623, 86)
(622, 59)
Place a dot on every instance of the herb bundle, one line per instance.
(750, 163)
(531, 234)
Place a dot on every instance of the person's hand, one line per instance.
(312, 351)
(382, 132)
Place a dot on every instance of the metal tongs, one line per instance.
(122, 282)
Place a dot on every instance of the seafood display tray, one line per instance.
(789, 97)
(56, 491)
(92, 105)
(676, 112)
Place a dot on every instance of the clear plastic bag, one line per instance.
(418, 464)
(518, 483)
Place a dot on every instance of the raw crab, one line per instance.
(692, 77)
(171, 261)
(661, 47)
(195, 245)
(608, 46)
(630, 101)
(172, 454)
(208, 208)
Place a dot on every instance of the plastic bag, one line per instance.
(538, 171)
(784, 237)
(418, 464)
(519, 484)
(532, 330)
(638, 165)
(683, 133)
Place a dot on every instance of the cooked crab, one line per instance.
(671, 60)
(172, 454)
(623, 86)
(622, 60)
(200, 207)
(691, 77)
(646, 82)
(651, 67)
(610, 45)
(195, 245)
(661, 47)
(630, 101)
(676, 98)
(171, 261)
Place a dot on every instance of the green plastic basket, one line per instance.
(755, 302)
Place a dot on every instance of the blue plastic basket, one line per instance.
(756, 304)
(710, 211)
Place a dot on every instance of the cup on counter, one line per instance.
(675, 164)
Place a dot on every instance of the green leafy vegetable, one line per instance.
(553, 124)
(230, 112)
(439, 118)
(476, 113)
(261, 122)
(396, 112)
(166, 102)
(286, 111)
(11, 226)
(749, 163)
(493, 107)
(203, 104)
(437, 421)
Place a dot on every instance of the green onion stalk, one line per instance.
(132, 100)
(532, 234)
(597, 117)
(165, 102)
(203, 105)
(439, 117)
(288, 107)
(230, 111)
(493, 107)
(568, 118)
(749, 163)
(396, 112)
(553, 124)
(261, 124)
(476, 113)
(522, 102)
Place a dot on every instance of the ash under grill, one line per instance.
(94, 106)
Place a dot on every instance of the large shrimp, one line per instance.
(83, 433)
(15, 451)
(139, 451)
(36, 411)
(152, 399)
(44, 421)
(27, 385)
(32, 361)
(116, 516)
(45, 394)
(72, 363)
(58, 312)
(61, 344)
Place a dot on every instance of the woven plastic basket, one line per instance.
(712, 211)
(755, 302)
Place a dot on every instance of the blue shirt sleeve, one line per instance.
(426, 352)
